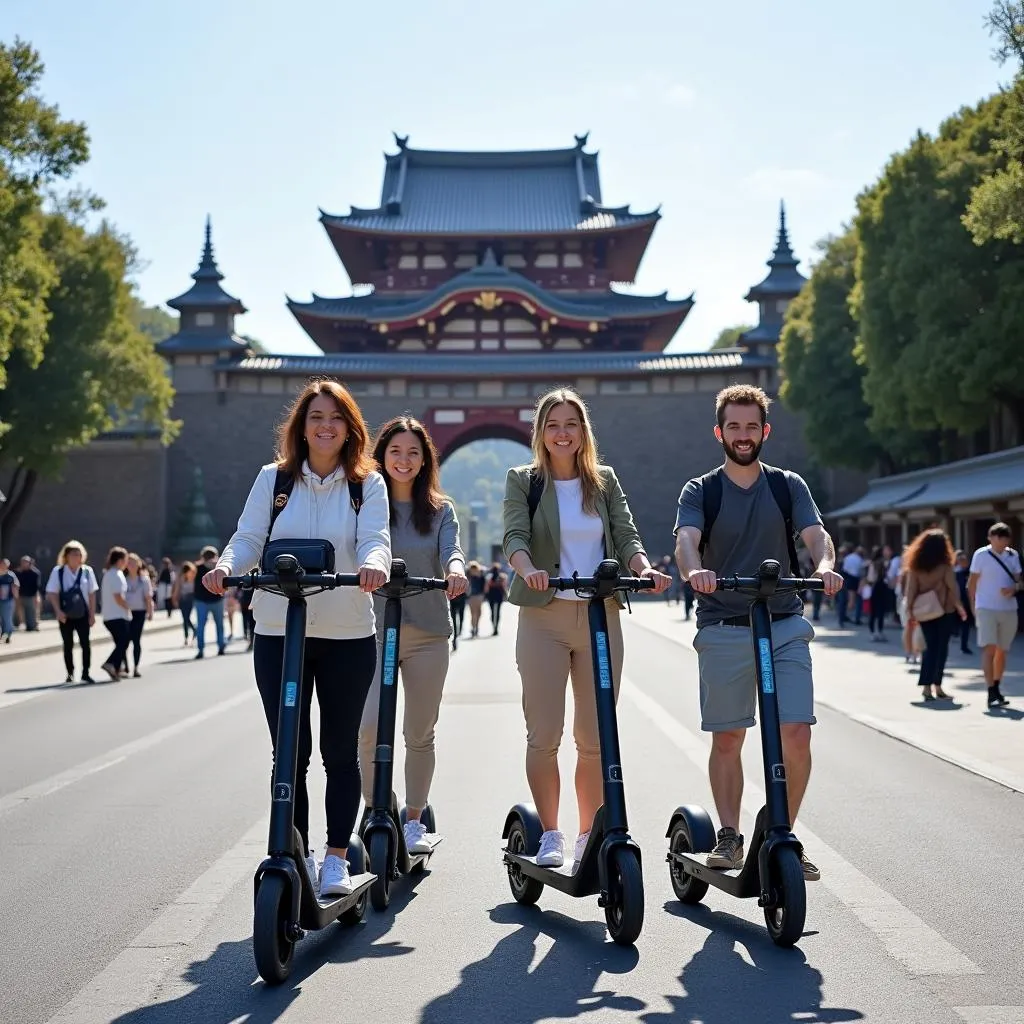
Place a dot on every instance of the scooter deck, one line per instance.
(743, 883)
(570, 878)
(317, 912)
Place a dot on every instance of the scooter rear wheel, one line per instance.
(271, 947)
(357, 865)
(624, 911)
(687, 888)
(785, 920)
(380, 865)
(525, 890)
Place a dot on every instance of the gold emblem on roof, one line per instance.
(487, 301)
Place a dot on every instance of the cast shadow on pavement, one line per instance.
(721, 986)
(228, 988)
(502, 989)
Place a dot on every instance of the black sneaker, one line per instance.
(728, 851)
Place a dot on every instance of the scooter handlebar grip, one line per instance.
(340, 579)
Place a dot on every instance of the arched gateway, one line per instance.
(487, 279)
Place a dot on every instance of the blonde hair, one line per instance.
(72, 545)
(586, 457)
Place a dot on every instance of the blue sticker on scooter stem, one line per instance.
(764, 649)
(291, 692)
(604, 671)
(390, 643)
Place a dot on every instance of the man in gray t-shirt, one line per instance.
(749, 528)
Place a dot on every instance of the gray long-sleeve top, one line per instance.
(424, 554)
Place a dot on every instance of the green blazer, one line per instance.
(542, 539)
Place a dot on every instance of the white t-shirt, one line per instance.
(88, 580)
(892, 574)
(114, 582)
(853, 565)
(582, 535)
(991, 579)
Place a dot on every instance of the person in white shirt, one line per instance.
(582, 518)
(852, 569)
(117, 614)
(993, 586)
(323, 443)
(71, 591)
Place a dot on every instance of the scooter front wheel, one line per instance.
(624, 911)
(687, 888)
(380, 865)
(525, 890)
(271, 946)
(785, 920)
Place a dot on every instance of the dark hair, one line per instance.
(291, 434)
(427, 496)
(208, 552)
(741, 394)
(115, 555)
(1000, 530)
(928, 550)
(876, 553)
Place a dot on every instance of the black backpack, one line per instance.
(72, 600)
(536, 491)
(778, 482)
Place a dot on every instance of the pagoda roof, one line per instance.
(551, 191)
(489, 364)
(492, 285)
(206, 293)
(783, 280)
(200, 343)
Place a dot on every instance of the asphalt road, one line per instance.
(133, 814)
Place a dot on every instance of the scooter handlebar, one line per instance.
(633, 583)
(784, 584)
(319, 580)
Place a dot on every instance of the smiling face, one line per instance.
(742, 433)
(326, 429)
(403, 457)
(73, 559)
(563, 432)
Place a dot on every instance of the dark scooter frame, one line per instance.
(285, 904)
(382, 827)
(610, 866)
(772, 870)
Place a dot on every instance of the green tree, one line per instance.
(938, 316)
(821, 375)
(996, 209)
(36, 149)
(156, 324)
(98, 370)
(729, 337)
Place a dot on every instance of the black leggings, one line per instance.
(121, 631)
(135, 628)
(879, 607)
(68, 629)
(933, 660)
(495, 605)
(341, 671)
(458, 610)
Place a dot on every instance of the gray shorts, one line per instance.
(725, 655)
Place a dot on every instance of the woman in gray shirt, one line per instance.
(425, 534)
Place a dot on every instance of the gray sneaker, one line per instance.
(728, 851)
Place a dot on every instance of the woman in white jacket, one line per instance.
(323, 443)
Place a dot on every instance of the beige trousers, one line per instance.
(553, 645)
(423, 665)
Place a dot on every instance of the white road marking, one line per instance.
(133, 978)
(906, 938)
(97, 764)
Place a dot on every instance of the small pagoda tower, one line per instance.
(195, 527)
(206, 327)
(773, 295)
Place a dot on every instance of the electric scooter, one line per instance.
(383, 824)
(610, 866)
(286, 905)
(772, 870)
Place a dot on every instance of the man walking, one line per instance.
(993, 586)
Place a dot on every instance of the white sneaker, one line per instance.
(334, 877)
(551, 852)
(416, 837)
(581, 844)
(313, 870)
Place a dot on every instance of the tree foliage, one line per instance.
(729, 337)
(37, 148)
(156, 324)
(938, 316)
(98, 370)
(996, 209)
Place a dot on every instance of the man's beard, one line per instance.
(745, 458)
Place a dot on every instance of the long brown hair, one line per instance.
(427, 496)
(928, 550)
(291, 434)
(586, 457)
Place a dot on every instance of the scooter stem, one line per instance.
(384, 754)
(607, 723)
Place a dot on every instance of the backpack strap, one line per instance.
(355, 495)
(711, 500)
(778, 481)
(535, 493)
(284, 483)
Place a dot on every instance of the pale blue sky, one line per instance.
(260, 113)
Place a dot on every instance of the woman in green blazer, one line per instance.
(582, 518)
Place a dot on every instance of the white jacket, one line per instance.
(318, 509)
